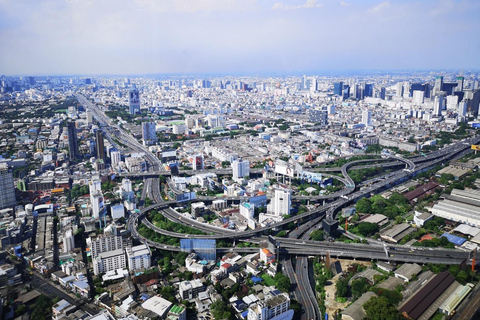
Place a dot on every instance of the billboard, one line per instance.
(284, 168)
(476, 125)
(476, 147)
(187, 196)
(311, 177)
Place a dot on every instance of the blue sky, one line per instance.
(236, 36)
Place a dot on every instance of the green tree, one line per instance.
(359, 287)
(282, 282)
(42, 308)
(367, 228)
(380, 309)
(342, 287)
(317, 235)
(364, 206)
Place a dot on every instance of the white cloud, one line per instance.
(344, 4)
(442, 7)
(196, 5)
(306, 5)
(380, 7)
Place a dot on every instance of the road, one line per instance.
(47, 287)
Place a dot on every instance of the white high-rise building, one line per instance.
(399, 91)
(89, 117)
(109, 261)
(127, 185)
(418, 97)
(241, 169)
(116, 157)
(452, 102)
(94, 186)
(149, 134)
(215, 121)
(406, 89)
(247, 210)
(98, 205)
(437, 106)
(103, 243)
(68, 241)
(367, 117)
(281, 203)
(139, 257)
(7, 194)
(273, 307)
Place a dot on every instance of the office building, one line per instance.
(460, 81)
(134, 101)
(115, 157)
(437, 106)
(157, 305)
(462, 108)
(406, 89)
(68, 241)
(247, 210)
(438, 85)
(281, 203)
(318, 116)
(7, 196)
(139, 257)
(89, 117)
(241, 169)
(98, 205)
(338, 88)
(149, 134)
(276, 306)
(103, 243)
(101, 154)
(72, 140)
(197, 163)
(399, 90)
(418, 97)
(206, 249)
(190, 289)
(367, 117)
(452, 102)
(109, 261)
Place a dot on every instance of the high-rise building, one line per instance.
(89, 117)
(418, 97)
(134, 101)
(101, 154)
(109, 261)
(72, 140)
(115, 157)
(338, 88)
(103, 243)
(438, 85)
(274, 306)
(247, 210)
(399, 91)
(367, 117)
(452, 102)
(241, 169)
(7, 195)
(318, 116)
(281, 203)
(462, 108)
(197, 162)
(406, 89)
(139, 257)
(98, 205)
(460, 81)
(68, 241)
(149, 134)
(437, 106)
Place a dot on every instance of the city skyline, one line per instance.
(236, 37)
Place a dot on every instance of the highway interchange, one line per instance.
(297, 244)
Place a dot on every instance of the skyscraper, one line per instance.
(366, 117)
(72, 140)
(134, 101)
(149, 135)
(460, 83)
(438, 85)
(338, 88)
(437, 106)
(100, 146)
(281, 203)
(7, 195)
(241, 169)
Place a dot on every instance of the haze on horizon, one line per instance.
(236, 36)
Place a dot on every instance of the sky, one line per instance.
(89, 37)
